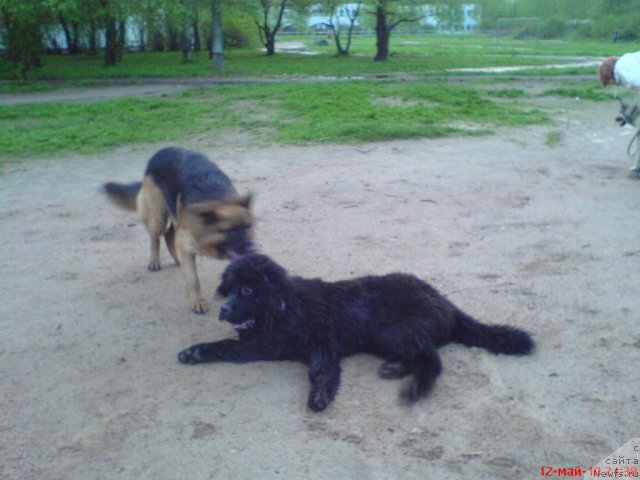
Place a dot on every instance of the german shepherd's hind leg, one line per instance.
(187, 261)
(170, 240)
(153, 211)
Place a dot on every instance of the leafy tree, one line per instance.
(389, 14)
(68, 14)
(21, 33)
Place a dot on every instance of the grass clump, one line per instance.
(554, 138)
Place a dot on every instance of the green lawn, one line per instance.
(353, 111)
(417, 54)
(344, 111)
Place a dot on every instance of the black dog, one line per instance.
(397, 316)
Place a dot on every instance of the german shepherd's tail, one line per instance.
(495, 338)
(122, 195)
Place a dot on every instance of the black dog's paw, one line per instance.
(410, 394)
(190, 356)
(415, 391)
(392, 370)
(318, 400)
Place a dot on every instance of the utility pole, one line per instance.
(218, 47)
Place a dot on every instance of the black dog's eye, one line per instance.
(246, 291)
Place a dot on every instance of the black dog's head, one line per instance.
(256, 290)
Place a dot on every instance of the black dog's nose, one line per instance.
(225, 310)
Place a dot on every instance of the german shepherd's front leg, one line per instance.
(154, 258)
(187, 262)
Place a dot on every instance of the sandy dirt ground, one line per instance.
(511, 229)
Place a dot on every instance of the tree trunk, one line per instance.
(111, 42)
(270, 43)
(187, 44)
(67, 33)
(75, 38)
(122, 38)
(143, 46)
(173, 42)
(382, 35)
(197, 45)
(218, 46)
(93, 47)
(336, 37)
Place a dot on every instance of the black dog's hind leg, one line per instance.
(324, 375)
(223, 351)
(393, 369)
(425, 367)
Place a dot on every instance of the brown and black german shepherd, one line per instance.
(188, 199)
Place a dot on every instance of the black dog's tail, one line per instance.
(495, 338)
(123, 195)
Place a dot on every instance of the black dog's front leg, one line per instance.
(324, 375)
(222, 351)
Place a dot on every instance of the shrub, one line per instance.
(617, 27)
(552, 28)
(240, 31)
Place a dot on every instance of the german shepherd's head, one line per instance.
(222, 228)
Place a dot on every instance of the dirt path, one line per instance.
(109, 90)
(513, 230)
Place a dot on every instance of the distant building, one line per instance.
(54, 39)
(318, 17)
(465, 20)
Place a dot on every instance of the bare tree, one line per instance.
(334, 26)
(265, 28)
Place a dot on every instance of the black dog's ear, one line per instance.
(276, 302)
(224, 288)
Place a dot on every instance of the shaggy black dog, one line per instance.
(397, 316)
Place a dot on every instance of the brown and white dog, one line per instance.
(625, 71)
(192, 203)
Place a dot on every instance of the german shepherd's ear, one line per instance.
(242, 200)
(246, 200)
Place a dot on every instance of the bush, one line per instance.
(522, 31)
(617, 27)
(552, 28)
(240, 32)
(631, 31)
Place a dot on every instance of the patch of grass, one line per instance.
(588, 91)
(46, 128)
(507, 93)
(326, 112)
(554, 138)
(26, 87)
